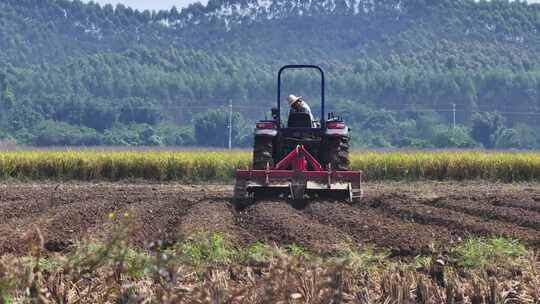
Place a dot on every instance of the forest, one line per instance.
(81, 74)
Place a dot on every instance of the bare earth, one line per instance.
(406, 218)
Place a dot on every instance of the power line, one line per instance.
(267, 108)
(165, 107)
(466, 111)
(507, 113)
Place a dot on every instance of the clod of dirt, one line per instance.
(57, 246)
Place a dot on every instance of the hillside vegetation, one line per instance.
(80, 74)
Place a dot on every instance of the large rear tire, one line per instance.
(337, 152)
(262, 152)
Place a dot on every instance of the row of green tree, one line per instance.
(376, 129)
(426, 130)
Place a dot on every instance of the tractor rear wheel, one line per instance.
(262, 152)
(337, 152)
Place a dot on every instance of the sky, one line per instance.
(166, 4)
(151, 4)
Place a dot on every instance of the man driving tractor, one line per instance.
(298, 105)
(301, 158)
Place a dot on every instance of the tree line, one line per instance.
(73, 73)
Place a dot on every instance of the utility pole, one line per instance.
(230, 124)
(454, 112)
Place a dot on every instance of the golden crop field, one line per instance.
(201, 165)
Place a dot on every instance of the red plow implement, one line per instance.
(298, 176)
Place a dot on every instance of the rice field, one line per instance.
(219, 166)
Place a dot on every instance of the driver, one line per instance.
(298, 105)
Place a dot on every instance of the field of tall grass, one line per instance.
(219, 166)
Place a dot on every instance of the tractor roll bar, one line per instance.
(300, 66)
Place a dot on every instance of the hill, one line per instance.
(76, 73)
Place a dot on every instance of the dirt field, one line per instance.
(408, 219)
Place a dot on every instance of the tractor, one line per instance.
(302, 159)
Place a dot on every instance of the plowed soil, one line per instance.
(407, 219)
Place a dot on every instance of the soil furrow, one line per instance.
(148, 222)
(528, 199)
(399, 217)
(487, 211)
(214, 217)
(26, 201)
(370, 226)
(153, 218)
(525, 204)
(61, 225)
(280, 223)
(460, 223)
(58, 226)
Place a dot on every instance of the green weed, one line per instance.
(6, 300)
(203, 250)
(296, 251)
(422, 261)
(480, 253)
(259, 253)
(366, 259)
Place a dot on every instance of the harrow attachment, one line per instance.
(298, 176)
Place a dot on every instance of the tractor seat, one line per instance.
(299, 120)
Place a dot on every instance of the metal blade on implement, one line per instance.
(240, 189)
(336, 184)
(298, 184)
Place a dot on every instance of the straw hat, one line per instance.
(293, 99)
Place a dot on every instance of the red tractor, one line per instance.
(303, 159)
